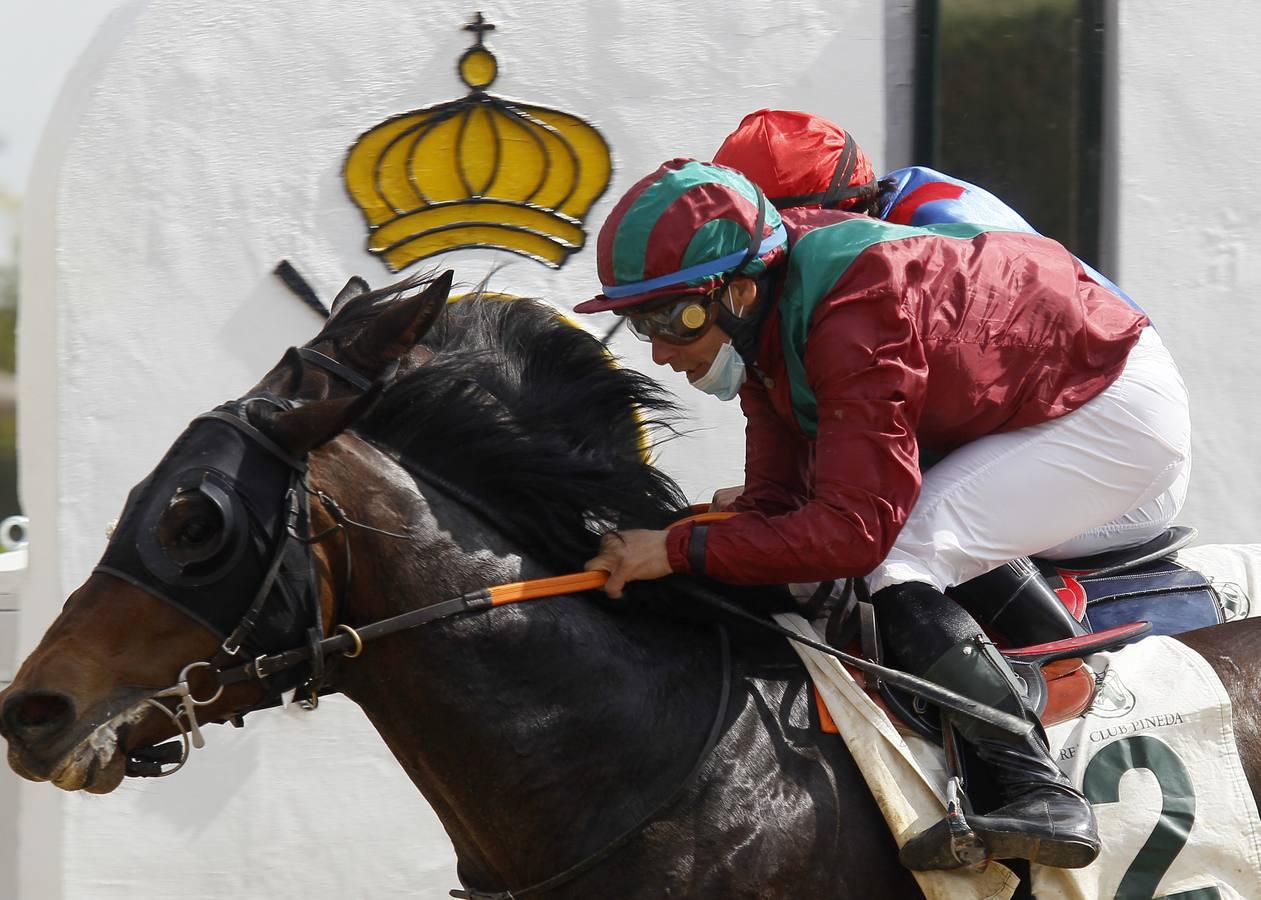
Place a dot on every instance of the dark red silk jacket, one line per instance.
(923, 341)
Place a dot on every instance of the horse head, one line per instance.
(274, 533)
(195, 542)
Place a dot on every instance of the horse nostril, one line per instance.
(32, 714)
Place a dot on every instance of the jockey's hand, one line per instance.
(725, 498)
(635, 555)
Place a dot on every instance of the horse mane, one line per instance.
(529, 416)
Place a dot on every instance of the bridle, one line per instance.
(229, 660)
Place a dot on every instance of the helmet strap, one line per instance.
(744, 330)
(844, 172)
(838, 189)
(755, 236)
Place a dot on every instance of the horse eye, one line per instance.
(190, 529)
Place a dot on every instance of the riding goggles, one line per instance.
(678, 321)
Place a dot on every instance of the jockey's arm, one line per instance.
(869, 380)
(775, 458)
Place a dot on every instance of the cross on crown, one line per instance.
(479, 26)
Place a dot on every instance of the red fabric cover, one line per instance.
(1073, 595)
(929, 341)
(789, 154)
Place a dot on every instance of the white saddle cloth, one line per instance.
(1174, 808)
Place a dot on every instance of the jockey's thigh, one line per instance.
(1110, 474)
(1133, 528)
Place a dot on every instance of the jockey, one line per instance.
(852, 344)
(803, 160)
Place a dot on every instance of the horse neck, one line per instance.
(538, 732)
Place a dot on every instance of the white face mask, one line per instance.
(725, 374)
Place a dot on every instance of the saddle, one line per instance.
(1118, 597)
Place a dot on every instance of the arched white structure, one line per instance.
(199, 143)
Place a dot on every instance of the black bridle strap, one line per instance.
(334, 367)
(238, 422)
(474, 601)
(352, 639)
(232, 643)
(585, 865)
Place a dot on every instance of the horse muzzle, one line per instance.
(49, 742)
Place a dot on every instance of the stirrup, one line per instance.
(949, 844)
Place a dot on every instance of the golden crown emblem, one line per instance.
(477, 172)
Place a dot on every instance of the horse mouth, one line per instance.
(96, 763)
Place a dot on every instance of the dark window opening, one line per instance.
(1009, 96)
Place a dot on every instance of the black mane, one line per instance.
(530, 416)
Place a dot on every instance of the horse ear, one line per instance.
(302, 429)
(398, 327)
(355, 287)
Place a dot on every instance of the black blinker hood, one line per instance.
(249, 485)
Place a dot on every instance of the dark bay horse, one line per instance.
(572, 747)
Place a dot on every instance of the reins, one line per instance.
(350, 642)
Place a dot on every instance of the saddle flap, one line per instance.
(1070, 689)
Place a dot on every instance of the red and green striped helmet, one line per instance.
(681, 230)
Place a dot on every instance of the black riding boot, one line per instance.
(1017, 603)
(1042, 817)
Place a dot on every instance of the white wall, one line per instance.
(1188, 87)
(12, 574)
(45, 38)
(200, 143)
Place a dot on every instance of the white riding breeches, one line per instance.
(1111, 474)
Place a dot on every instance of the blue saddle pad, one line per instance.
(1170, 596)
